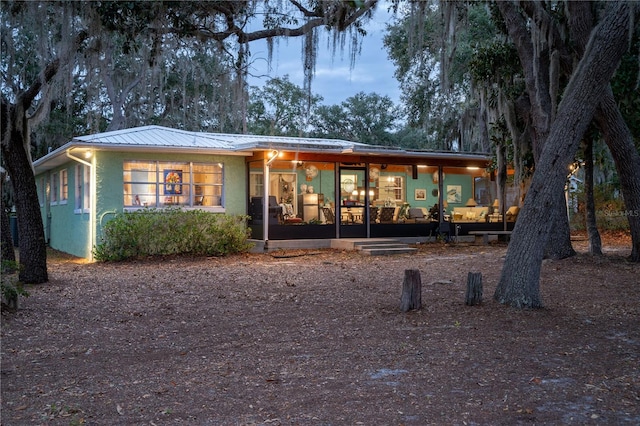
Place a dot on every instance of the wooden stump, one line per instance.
(411, 290)
(474, 289)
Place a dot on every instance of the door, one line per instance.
(352, 209)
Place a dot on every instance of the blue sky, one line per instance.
(334, 79)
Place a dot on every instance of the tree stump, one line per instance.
(411, 290)
(474, 289)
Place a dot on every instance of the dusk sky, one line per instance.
(334, 80)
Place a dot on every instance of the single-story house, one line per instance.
(316, 189)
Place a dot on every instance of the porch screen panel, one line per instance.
(256, 184)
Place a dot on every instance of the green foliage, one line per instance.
(367, 118)
(10, 288)
(280, 108)
(172, 231)
(611, 213)
(493, 61)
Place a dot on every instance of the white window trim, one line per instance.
(55, 188)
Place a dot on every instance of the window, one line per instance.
(78, 194)
(392, 188)
(160, 184)
(64, 187)
(55, 184)
(83, 188)
(86, 183)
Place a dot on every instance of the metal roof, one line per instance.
(175, 140)
(155, 136)
(158, 136)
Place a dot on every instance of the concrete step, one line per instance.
(384, 248)
(379, 246)
(386, 251)
(373, 246)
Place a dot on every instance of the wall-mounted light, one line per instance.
(88, 154)
(272, 157)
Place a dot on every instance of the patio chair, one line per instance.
(386, 214)
(373, 214)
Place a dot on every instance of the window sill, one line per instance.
(211, 209)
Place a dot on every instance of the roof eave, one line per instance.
(58, 156)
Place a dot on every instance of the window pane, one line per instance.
(140, 179)
(87, 188)
(78, 185)
(207, 184)
(64, 184)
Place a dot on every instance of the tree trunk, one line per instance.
(595, 243)
(559, 243)
(614, 129)
(32, 244)
(535, 56)
(474, 289)
(519, 284)
(619, 139)
(411, 291)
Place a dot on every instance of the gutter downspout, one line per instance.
(47, 208)
(441, 198)
(92, 194)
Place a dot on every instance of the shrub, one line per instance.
(172, 231)
(611, 214)
(10, 288)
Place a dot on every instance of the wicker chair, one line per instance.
(386, 214)
(373, 214)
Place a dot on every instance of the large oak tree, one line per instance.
(519, 284)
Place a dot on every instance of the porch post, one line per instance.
(440, 199)
(265, 202)
(367, 201)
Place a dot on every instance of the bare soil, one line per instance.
(317, 338)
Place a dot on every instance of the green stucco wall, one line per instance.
(70, 231)
(65, 229)
(109, 180)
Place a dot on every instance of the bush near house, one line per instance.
(172, 231)
(611, 213)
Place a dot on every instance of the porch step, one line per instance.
(384, 248)
(386, 251)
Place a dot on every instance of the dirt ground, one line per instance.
(317, 338)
